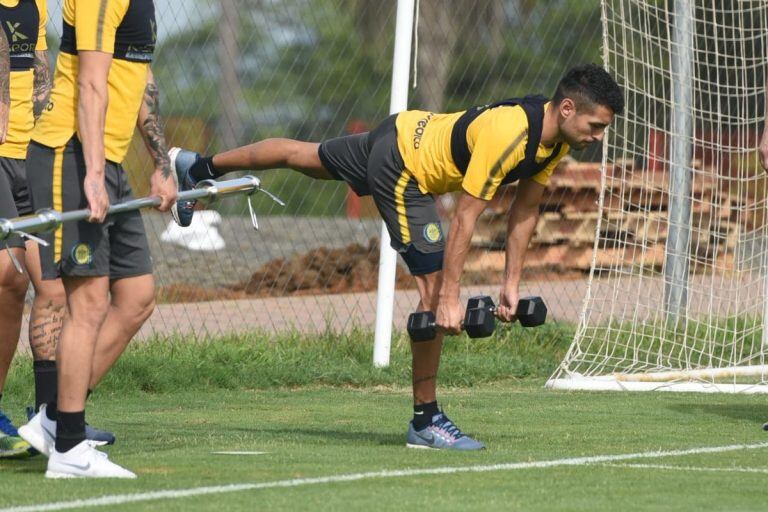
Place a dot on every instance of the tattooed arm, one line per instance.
(41, 90)
(5, 85)
(162, 182)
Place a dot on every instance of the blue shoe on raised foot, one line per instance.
(441, 434)
(11, 445)
(182, 161)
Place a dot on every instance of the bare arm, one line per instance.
(91, 117)
(468, 209)
(151, 129)
(523, 216)
(41, 89)
(5, 85)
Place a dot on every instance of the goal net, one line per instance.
(677, 294)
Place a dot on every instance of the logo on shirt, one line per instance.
(433, 233)
(14, 31)
(82, 254)
(419, 131)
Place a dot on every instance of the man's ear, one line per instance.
(567, 107)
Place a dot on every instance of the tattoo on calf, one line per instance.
(44, 331)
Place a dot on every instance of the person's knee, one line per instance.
(50, 294)
(13, 286)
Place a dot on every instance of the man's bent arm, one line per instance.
(523, 216)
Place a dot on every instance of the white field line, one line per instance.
(689, 468)
(120, 499)
(238, 453)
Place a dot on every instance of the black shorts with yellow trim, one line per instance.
(117, 248)
(371, 164)
(14, 195)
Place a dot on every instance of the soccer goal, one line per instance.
(678, 284)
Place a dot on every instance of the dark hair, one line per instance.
(590, 84)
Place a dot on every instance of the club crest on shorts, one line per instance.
(433, 233)
(82, 254)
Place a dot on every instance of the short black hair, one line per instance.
(592, 84)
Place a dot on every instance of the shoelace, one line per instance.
(448, 426)
(6, 426)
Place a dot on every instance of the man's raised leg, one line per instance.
(190, 167)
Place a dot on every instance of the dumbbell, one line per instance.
(478, 323)
(531, 312)
(479, 319)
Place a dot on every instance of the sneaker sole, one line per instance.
(57, 475)
(172, 154)
(19, 453)
(420, 447)
(37, 442)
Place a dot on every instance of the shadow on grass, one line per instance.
(756, 413)
(335, 436)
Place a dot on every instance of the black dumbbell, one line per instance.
(531, 311)
(479, 321)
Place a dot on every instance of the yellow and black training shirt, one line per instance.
(127, 30)
(496, 139)
(23, 22)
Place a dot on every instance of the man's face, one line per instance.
(581, 126)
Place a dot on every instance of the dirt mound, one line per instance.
(351, 269)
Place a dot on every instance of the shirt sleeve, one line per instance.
(542, 178)
(96, 23)
(41, 44)
(499, 147)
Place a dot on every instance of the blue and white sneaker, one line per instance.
(182, 161)
(11, 445)
(441, 434)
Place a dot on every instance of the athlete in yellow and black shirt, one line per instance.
(25, 72)
(413, 156)
(103, 89)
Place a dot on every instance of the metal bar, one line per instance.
(385, 297)
(681, 175)
(46, 220)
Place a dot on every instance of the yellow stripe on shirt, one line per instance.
(100, 26)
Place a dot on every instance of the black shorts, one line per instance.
(372, 165)
(118, 248)
(14, 195)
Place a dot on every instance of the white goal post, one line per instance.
(677, 292)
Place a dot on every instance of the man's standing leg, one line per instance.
(13, 289)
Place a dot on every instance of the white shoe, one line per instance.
(84, 461)
(40, 432)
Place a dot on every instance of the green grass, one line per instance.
(317, 408)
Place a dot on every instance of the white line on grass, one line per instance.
(238, 453)
(120, 499)
(689, 468)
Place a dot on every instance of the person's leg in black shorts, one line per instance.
(13, 289)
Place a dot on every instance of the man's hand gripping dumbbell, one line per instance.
(479, 319)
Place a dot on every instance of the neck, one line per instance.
(550, 132)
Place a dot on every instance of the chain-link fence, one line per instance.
(234, 71)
